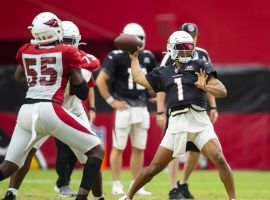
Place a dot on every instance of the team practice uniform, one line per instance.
(134, 120)
(188, 120)
(47, 71)
(74, 105)
(199, 53)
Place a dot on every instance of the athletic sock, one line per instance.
(81, 197)
(13, 190)
(90, 172)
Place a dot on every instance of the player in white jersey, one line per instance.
(47, 67)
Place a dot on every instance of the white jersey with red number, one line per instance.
(89, 63)
(47, 69)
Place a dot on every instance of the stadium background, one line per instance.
(235, 33)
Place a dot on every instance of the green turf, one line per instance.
(205, 185)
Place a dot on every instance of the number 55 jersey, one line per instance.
(48, 66)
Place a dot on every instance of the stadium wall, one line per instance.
(243, 125)
(231, 31)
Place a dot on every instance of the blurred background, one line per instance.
(235, 34)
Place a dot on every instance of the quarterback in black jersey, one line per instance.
(194, 156)
(186, 83)
(129, 101)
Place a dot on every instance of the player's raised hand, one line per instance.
(202, 77)
(134, 55)
(119, 105)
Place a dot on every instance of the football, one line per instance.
(128, 43)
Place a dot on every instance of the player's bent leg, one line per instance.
(161, 159)
(97, 190)
(212, 150)
(74, 132)
(91, 170)
(17, 152)
(7, 168)
(17, 177)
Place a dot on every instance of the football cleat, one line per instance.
(143, 192)
(9, 196)
(183, 189)
(117, 188)
(125, 197)
(64, 191)
(174, 194)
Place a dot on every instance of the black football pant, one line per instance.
(65, 163)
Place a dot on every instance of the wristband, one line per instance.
(92, 108)
(213, 108)
(109, 100)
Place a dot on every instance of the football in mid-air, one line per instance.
(128, 43)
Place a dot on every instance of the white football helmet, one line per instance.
(181, 41)
(71, 31)
(135, 29)
(46, 28)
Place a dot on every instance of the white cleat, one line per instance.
(125, 197)
(143, 192)
(117, 188)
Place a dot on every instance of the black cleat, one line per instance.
(183, 189)
(174, 194)
(9, 196)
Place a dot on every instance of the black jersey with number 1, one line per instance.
(178, 83)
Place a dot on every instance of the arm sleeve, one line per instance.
(154, 79)
(109, 64)
(208, 67)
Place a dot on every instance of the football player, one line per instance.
(186, 83)
(47, 67)
(194, 154)
(129, 101)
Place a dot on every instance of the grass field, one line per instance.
(205, 185)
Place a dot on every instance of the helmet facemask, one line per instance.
(182, 52)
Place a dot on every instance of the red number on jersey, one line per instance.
(31, 73)
(48, 72)
(48, 75)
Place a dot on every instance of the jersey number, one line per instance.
(42, 68)
(178, 82)
(131, 83)
(88, 57)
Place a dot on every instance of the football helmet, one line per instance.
(181, 47)
(71, 33)
(135, 29)
(46, 28)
